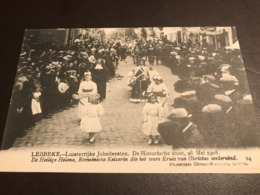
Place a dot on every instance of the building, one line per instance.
(217, 37)
(51, 38)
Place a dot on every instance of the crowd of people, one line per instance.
(47, 78)
(214, 107)
(214, 101)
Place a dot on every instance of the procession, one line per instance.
(177, 87)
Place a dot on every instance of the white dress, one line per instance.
(90, 122)
(85, 88)
(152, 116)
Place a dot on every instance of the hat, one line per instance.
(209, 78)
(247, 99)
(213, 54)
(63, 87)
(229, 92)
(201, 57)
(178, 57)
(84, 54)
(223, 98)
(77, 41)
(187, 94)
(179, 113)
(211, 108)
(228, 78)
(92, 59)
(66, 58)
(72, 52)
(224, 67)
(55, 63)
(23, 54)
(22, 79)
(100, 51)
(49, 67)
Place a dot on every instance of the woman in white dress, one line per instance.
(158, 88)
(86, 88)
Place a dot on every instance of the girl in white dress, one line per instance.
(152, 117)
(86, 88)
(90, 122)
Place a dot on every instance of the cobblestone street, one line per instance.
(122, 121)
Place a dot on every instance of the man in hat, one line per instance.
(115, 57)
(123, 52)
(193, 65)
(214, 125)
(205, 88)
(179, 131)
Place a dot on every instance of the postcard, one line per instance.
(131, 100)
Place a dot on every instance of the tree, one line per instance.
(129, 32)
(143, 33)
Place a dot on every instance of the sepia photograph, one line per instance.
(149, 88)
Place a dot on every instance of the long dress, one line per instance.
(85, 88)
(152, 114)
(99, 76)
(90, 122)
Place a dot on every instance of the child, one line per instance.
(152, 117)
(90, 122)
(36, 105)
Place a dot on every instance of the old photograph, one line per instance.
(183, 87)
(149, 88)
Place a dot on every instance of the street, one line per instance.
(121, 122)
